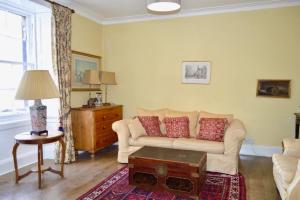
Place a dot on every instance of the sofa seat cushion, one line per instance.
(152, 141)
(199, 145)
(286, 168)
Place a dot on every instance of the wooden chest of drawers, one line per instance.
(92, 127)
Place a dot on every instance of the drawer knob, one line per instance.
(104, 117)
(103, 127)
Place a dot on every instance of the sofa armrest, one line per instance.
(291, 147)
(234, 137)
(293, 190)
(122, 130)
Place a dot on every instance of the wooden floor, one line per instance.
(86, 173)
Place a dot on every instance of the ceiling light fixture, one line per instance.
(163, 5)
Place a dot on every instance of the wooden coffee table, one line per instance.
(177, 171)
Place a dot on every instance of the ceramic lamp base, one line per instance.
(45, 132)
(38, 115)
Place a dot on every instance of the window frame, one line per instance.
(17, 119)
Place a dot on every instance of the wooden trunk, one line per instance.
(183, 178)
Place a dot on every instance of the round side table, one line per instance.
(27, 138)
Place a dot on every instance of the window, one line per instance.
(25, 38)
(13, 61)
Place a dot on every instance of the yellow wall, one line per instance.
(242, 47)
(86, 38)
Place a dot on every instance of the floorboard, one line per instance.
(87, 172)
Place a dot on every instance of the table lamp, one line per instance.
(91, 77)
(36, 85)
(107, 78)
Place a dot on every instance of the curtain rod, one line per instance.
(52, 2)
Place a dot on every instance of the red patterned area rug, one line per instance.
(217, 187)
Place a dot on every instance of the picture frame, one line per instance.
(273, 88)
(81, 62)
(197, 72)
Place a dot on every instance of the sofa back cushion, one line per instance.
(160, 113)
(204, 114)
(136, 128)
(212, 129)
(177, 127)
(192, 116)
(151, 125)
(291, 147)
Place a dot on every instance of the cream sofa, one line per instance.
(221, 156)
(286, 170)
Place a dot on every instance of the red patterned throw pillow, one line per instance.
(177, 127)
(212, 129)
(151, 125)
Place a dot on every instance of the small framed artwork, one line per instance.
(273, 88)
(80, 63)
(196, 72)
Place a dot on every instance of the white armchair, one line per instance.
(286, 170)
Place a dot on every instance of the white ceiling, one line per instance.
(114, 11)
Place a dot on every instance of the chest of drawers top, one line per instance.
(98, 108)
(102, 113)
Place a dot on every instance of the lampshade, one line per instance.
(91, 77)
(37, 84)
(107, 78)
(163, 5)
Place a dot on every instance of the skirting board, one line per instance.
(259, 150)
(7, 165)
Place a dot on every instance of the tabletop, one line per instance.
(174, 155)
(26, 137)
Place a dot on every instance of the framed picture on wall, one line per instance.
(273, 88)
(196, 72)
(80, 63)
